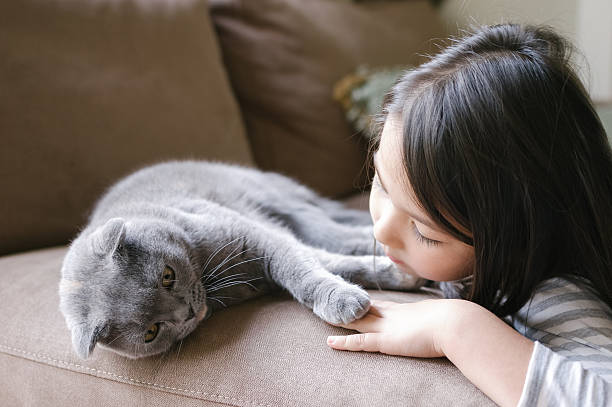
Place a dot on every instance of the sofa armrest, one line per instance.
(266, 352)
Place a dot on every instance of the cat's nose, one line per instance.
(191, 313)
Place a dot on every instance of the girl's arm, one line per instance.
(491, 354)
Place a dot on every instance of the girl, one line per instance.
(493, 172)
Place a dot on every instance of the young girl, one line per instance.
(493, 172)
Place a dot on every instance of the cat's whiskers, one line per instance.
(242, 262)
(216, 297)
(218, 300)
(123, 335)
(225, 261)
(205, 277)
(179, 349)
(174, 324)
(160, 361)
(217, 284)
(233, 283)
(225, 278)
(218, 250)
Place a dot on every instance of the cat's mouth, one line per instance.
(203, 313)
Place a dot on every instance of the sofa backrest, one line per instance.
(284, 58)
(93, 89)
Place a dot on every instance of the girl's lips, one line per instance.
(393, 259)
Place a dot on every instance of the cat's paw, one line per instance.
(342, 304)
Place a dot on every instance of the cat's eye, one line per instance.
(152, 332)
(168, 277)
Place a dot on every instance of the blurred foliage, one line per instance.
(362, 93)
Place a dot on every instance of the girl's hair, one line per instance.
(501, 139)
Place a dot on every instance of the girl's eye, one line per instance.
(152, 332)
(168, 277)
(423, 239)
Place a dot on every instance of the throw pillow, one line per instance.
(284, 57)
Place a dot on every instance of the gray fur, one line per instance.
(229, 233)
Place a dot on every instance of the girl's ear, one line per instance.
(106, 239)
(85, 337)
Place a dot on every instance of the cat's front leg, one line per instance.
(333, 299)
(288, 263)
(369, 271)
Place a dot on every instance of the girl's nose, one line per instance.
(387, 229)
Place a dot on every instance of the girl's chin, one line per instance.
(403, 267)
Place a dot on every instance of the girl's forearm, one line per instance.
(488, 352)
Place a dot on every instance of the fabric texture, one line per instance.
(283, 59)
(554, 380)
(94, 89)
(571, 364)
(266, 352)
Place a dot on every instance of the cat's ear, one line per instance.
(107, 238)
(84, 338)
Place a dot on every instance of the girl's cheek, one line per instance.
(416, 263)
(425, 263)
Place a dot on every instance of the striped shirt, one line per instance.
(571, 364)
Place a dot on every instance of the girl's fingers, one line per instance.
(377, 307)
(369, 323)
(368, 342)
(382, 304)
(374, 310)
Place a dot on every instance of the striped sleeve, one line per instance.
(553, 380)
(571, 364)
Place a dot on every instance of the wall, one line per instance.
(587, 23)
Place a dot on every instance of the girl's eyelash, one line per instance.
(423, 239)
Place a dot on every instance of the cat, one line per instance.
(173, 242)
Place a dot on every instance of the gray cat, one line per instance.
(171, 243)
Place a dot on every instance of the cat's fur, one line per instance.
(229, 233)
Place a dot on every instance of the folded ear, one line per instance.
(85, 337)
(107, 238)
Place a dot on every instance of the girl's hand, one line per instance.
(412, 329)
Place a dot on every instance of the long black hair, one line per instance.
(501, 137)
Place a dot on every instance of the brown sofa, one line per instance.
(93, 89)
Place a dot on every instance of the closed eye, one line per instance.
(422, 239)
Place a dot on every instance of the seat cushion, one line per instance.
(93, 89)
(284, 57)
(266, 352)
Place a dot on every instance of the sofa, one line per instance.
(91, 90)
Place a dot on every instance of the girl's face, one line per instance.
(411, 239)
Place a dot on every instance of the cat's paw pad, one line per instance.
(342, 304)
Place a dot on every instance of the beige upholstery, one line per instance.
(266, 352)
(283, 58)
(88, 93)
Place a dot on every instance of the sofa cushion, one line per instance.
(284, 56)
(269, 351)
(92, 89)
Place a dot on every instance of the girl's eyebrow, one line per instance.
(418, 218)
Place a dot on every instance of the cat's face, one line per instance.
(132, 287)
